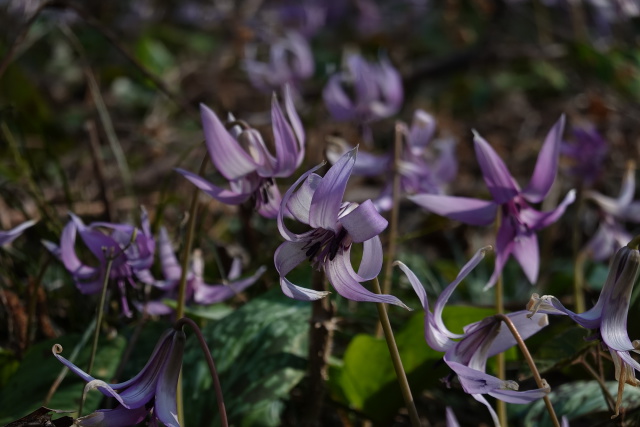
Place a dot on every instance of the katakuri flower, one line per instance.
(423, 168)
(152, 391)
(609, 315)
(377, 92)
(9, 236)
(519, 221)
(196, 289)
(611, 234)
(290, 62)
(479, 341)
(335, 227)
(587, 153)
(241, 156)
(132, 252)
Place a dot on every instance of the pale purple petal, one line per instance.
(272, 207)
(299, 293)
(494, 416)
(549, 304)
(299, 203)
(228, 197)
(285, 141)
(538, 220)
(10, 235)
(364, 222)
(295, 122)
(526, 324)
(236, 269)
(422, 129)
(337, 101)
(499, 181)
(367, 164)
(165, 394)
(68, 254)
(210, 294)
(171, 269)
(284, 231)
(326, 201)
(339, 274)
(371, 262)
(464, 209)
(520, 397)
(229, 158)
(526, 252)
(546, 166)
(118, 417)
(504, 247)
(289, 255)
(452, 421)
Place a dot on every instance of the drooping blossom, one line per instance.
(106, 240)
(480, 340)
(335, 227)
(241, 157)
(151, 392)
(609, 316)
(196, 289)
(587, 153)
(611, 234)
(290, 62)
(423, 167)
(519, 221)
(9, 236)
(377, 92)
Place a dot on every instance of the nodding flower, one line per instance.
(519, 221)
(241, 156)
(130, 250)
(335, 227)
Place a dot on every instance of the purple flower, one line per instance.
(153, 390)
(587, 153)
(129, 257)
(9, 236)
(377, 92)
(611, 235)
(335, 226)
(519, 221)
(241, 156)
(196, 290)
(290, 62)
(609, 315)
(479, 341)
(421, 168)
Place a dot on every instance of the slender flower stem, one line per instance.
(182, 287)
(603, 387)
(500, 358)
(96, 335)
(579, 257)
(393, 219)
(395, 358)
(212, 367)
(532, 365)
(35, 287)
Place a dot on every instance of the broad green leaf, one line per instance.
(205, 312)
(260, 352)
(26, 389)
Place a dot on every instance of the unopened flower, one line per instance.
(132, 252)
(467, 357)
(196, 289)
(9, 236)
(611, 234)
(519, 221)
(151, 392)
(376, 92)
(241, 156)
(335, 227)
(290, 62)
(609, 315)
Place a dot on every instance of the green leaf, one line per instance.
(154, 55)
(260, 352)
(26, 389)
(574, 400)
(203, 312)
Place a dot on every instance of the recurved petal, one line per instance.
(165, 407)
(337, 101)
(549, 304)
(464, 209)
(480, 398)
(504, 247)
(499, 181)
(520, 397)
(339, 273)
(285, 141)
(371, 262)
(289, 255)
(326, 201)
(422, 129)
(118, 417)
(299, 293)
(67, 253)
(526, 252)
(10, 235)
(284, 231)
(168, 261)
(546, 166)
(225, 196)
(271, 208)
(231, 160)
(211, 294)
(527, 325)
(299, 203)
(364, 222)
(295, 122)
(538, 220)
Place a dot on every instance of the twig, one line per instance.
(532, 365)
(212, 367)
